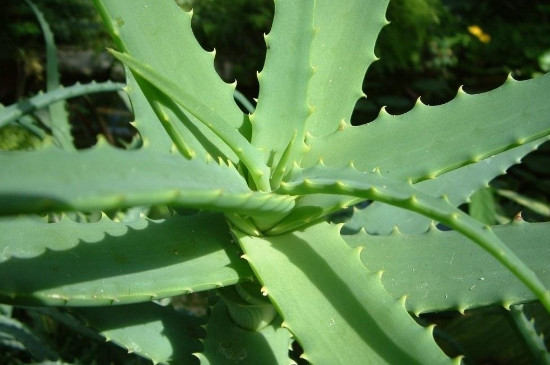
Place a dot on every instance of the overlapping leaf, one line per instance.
(225, 342)
(171, 49)
(151, 131)
(440, 270)
(104, 263)
(429, 141)
(332, 304)
(107, 178)
(456, 185)
(158, 333)
(164, 92)
(348, 181)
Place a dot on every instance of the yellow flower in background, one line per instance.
(479, 33)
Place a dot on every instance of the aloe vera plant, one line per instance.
(263, 186)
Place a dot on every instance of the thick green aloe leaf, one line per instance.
(166, 92)
(457, 185)
(440, 270)
(438, 139)
(282, 107)
(170, 47)
(107, 178)
(158, 333)
(177, 125)
(331, 302)
(103, 263)
(341, 31)
(159, 34)
(59, 118)
(152, 133)
(226, 343)
(42, 100)
(350, 182)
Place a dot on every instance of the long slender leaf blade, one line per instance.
(330, 301)
(434, 140)
(104, 263)
(348, 181)
(158, 333)
(343, 37)
(225, 342)
(440, 270)
(105, 178)
(59, 118)
(42, 100)
(457, 185)
(282, 107)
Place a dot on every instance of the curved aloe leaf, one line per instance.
(249, 155)
(379, 218)
(458, 185)
(105, 178)
(158, 333)
(104, 263)
(282, 103)
(17, 110)
(325, 308)
(334, 90)
(348, 181)
(434, 140)
(534, 341)
(136, 29)
(152, 133)
(176, 123)
(226, 343)
(61, 128)
(440, 271)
